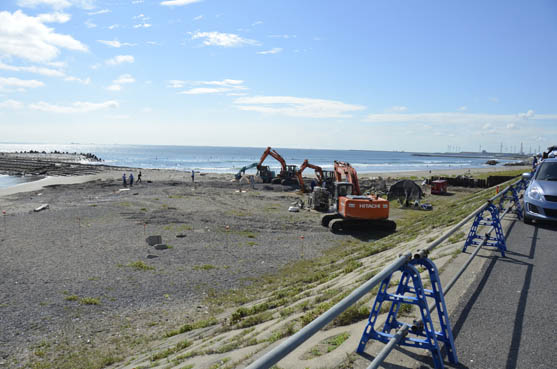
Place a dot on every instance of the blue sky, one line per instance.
(377, 75)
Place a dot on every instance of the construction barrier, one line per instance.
(422, 333)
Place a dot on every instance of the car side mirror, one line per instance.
(527, 176)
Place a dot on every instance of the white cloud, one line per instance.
(176, 83)
(528, 114)
(493, 99)
(102, 11)
(179, 2)
(398, 109)
(456, 118)
(285, 36)
(222, 39)
(511, 126)
(77, 107)
(85, 81)
(256, 23)
(462, 108)
(119, 59)
(18, 84)
(274, 50)
(214, 87)
(33, 69)
(56, 17)
(89, 24)
(199, 17)
(142, 25)
(117, 83)
(113, 26)
(57, 4)
(11, 104)
(115, 43)
(28, 38)
(124, 78)
(297, 106)
(114, 88)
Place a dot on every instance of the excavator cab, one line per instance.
(266, 174)
(342, 189)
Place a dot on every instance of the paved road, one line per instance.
(508, 319)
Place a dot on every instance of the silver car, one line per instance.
(540, 197)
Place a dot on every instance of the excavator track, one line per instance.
(337, 224)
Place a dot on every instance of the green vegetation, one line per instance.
(171, 350)
(140, 265)
(336, 341)
(90, 301)
(204, 267)
(190, 327)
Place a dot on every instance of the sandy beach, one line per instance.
(81, 272)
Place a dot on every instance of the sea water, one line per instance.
(9, 181)
(231, 159)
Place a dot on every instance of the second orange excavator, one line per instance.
(354, 211)
(287, 173)
(318, 174)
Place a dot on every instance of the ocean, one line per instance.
(231, 159)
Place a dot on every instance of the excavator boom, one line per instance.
(306, 164)
(344, 170)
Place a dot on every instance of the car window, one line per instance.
(547, 172)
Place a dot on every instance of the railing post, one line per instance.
(423, 333)
(492, 219)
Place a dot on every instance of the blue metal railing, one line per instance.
(279, 352)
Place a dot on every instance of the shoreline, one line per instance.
(173, 174)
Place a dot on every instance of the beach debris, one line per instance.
(293, 209)
(180, 235)
(161, 246)
(405, 192)
(154, 240)
(42, 207)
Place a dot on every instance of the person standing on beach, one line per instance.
(131, 179)
(192, 176)
(124, 180)
(139, 177)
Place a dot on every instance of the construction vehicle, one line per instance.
(318, 174)
(354, 211)
(439, 187)
(287, 175)
(242, 171)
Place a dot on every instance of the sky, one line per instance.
(374, 75)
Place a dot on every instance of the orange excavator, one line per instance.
(352, 209)
(318, 173)
(287, 173)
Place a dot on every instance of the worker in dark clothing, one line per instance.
(192, 176)
(131, 179)
(124, 180)
(139, 177)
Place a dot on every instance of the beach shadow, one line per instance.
(366, 236)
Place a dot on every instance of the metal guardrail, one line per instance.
(279, 352)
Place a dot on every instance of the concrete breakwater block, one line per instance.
(154, 240)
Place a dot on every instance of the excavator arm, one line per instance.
(275, 155)
(242, 171)
(345, 170)
(306, 164)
